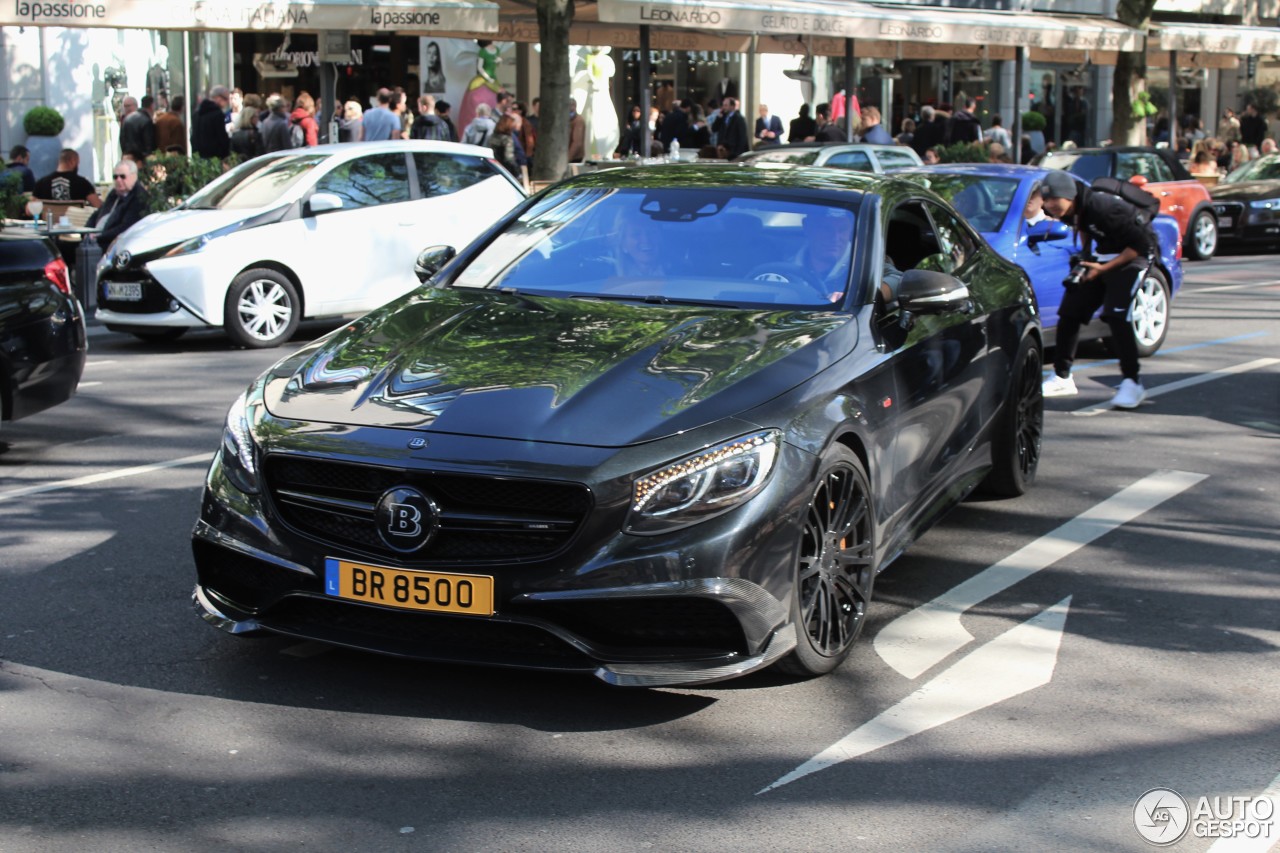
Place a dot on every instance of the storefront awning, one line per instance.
(863, 21)
(359, 16)
(1203, 38)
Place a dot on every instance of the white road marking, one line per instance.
(91, 479)
(921, 638)
(1222, 287)
(99, 363)
(1256, 364)
(1021, 659)
(1243, 844)
(87, 384)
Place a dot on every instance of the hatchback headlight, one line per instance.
(703, 485)
(239, 451)
(1266, 204)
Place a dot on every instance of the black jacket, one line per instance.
(673, 127)
(429, 126)
(209, 131)
(118, 213)
(733, 134)
(1112, 223)
(928, 134)
(963, 127)
(247, 143)
(137, 134)
(276, 133)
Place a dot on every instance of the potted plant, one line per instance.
(43, 124)
(1033, 125)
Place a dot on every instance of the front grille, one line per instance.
(482, 519)
(155, 299)
(648, 623)
(1232, 209)
(425, 635)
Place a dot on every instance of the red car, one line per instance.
(1160, 173)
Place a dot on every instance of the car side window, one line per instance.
(366, 181)
(856, 160)
(910, 240)
(893, 159)
(442, 174)
(1149, 166)
(954, 243)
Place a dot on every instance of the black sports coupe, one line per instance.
(663, 425)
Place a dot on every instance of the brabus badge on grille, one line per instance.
(417, 443)
(406, 519)
(122, 260)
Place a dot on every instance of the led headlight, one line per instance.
(239, 452)
(1266, 204)
(703, 485)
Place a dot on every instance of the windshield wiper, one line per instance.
(649, 299)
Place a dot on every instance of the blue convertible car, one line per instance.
(993, 197)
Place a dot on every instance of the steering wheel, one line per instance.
(783, 273)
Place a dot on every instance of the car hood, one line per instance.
(576, 371)
(175, 226)
(1246, 191)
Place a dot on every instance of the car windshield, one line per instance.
(255, 184)
(1263, 169)
(981, 199)
(704, 246)
(1087, 166)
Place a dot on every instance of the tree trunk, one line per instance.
(1130, 67)
(552, 157)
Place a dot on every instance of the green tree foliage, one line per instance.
(1033, 120)
(12, 199)
(964, 152)
(42, 121)
(172, 178)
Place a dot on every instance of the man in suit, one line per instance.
(125, 204)
(768, 127)
(138, 130)
(733, 128)
(675, 124)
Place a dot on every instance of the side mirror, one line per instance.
(431, 260)
(1047, 229)
(929, 292)
(323, 202)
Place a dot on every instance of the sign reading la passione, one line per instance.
(405, 16)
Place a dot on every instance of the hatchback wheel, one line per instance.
(1204, 236)
(1150, 313)
(262, 309)
(835, 567)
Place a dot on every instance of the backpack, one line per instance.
(1147, 204)
(297, 136)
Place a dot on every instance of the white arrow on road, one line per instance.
(1021, 659)
(921, 638)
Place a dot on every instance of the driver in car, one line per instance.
(828, 248)
(639, 252)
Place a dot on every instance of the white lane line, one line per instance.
(12, 494)
(1223, 287)
(87, 384)
(921, 638)
(1263, 843)
(99, 362)
(1021, 659)
(1190, 381)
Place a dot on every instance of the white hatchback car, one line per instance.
(309, 232)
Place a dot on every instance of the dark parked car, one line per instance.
(1247, 203)
(663, 425)
(1160, 173)
(42, 337)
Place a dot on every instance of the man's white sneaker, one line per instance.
(1059, 386)
(1129, 395)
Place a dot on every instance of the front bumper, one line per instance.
(707, 603)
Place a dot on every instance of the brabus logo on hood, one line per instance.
(407, 519)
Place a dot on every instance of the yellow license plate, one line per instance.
(434, 591)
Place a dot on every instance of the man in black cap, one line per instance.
(1118, 227)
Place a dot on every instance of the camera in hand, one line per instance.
(1078, 270)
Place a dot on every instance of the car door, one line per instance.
(938, 366)
(353, 257)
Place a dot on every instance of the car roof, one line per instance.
(993, 170)
(819, 146)
(353, 149)
(729, 176)
(1128, 149)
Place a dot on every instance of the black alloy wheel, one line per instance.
(835, 567)
(1015, 446)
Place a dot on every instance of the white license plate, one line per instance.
(124, 291)
(1224, 221)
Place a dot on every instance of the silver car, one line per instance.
(858, 156)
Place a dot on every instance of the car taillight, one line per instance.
(56, 272)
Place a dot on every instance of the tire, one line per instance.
(1202, 236)
(1150, 311)
(1019, 428)
(835, 567)
(262, 309)
(158, 336)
